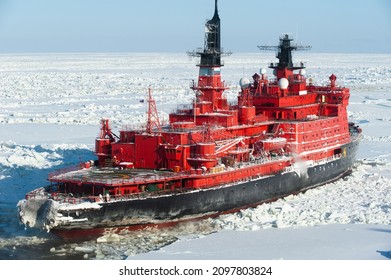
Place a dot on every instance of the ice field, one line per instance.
(50, 109)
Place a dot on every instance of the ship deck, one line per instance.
(113, 176)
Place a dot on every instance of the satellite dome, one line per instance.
(244, 83)
(263, 71)
(283, 83)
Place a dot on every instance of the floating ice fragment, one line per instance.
(286, 208)
(87, 250)
(110, 238)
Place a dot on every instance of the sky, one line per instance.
(50, 26)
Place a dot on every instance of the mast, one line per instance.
(211, 56)
(210, 87)
(153, 118)
(284, 50)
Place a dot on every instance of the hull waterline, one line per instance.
(168, 211)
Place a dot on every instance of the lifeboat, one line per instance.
(273, 144)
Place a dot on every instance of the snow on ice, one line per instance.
(49, 117)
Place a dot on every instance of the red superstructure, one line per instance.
(283, 135)
(283, 116)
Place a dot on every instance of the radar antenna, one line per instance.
(284, 53)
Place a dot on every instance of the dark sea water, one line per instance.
(20, 243)
(17, 242)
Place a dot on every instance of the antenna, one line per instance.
(284, 52)
(212, 52)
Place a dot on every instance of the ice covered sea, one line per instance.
(50, 109)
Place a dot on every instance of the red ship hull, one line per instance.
(166, 211)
